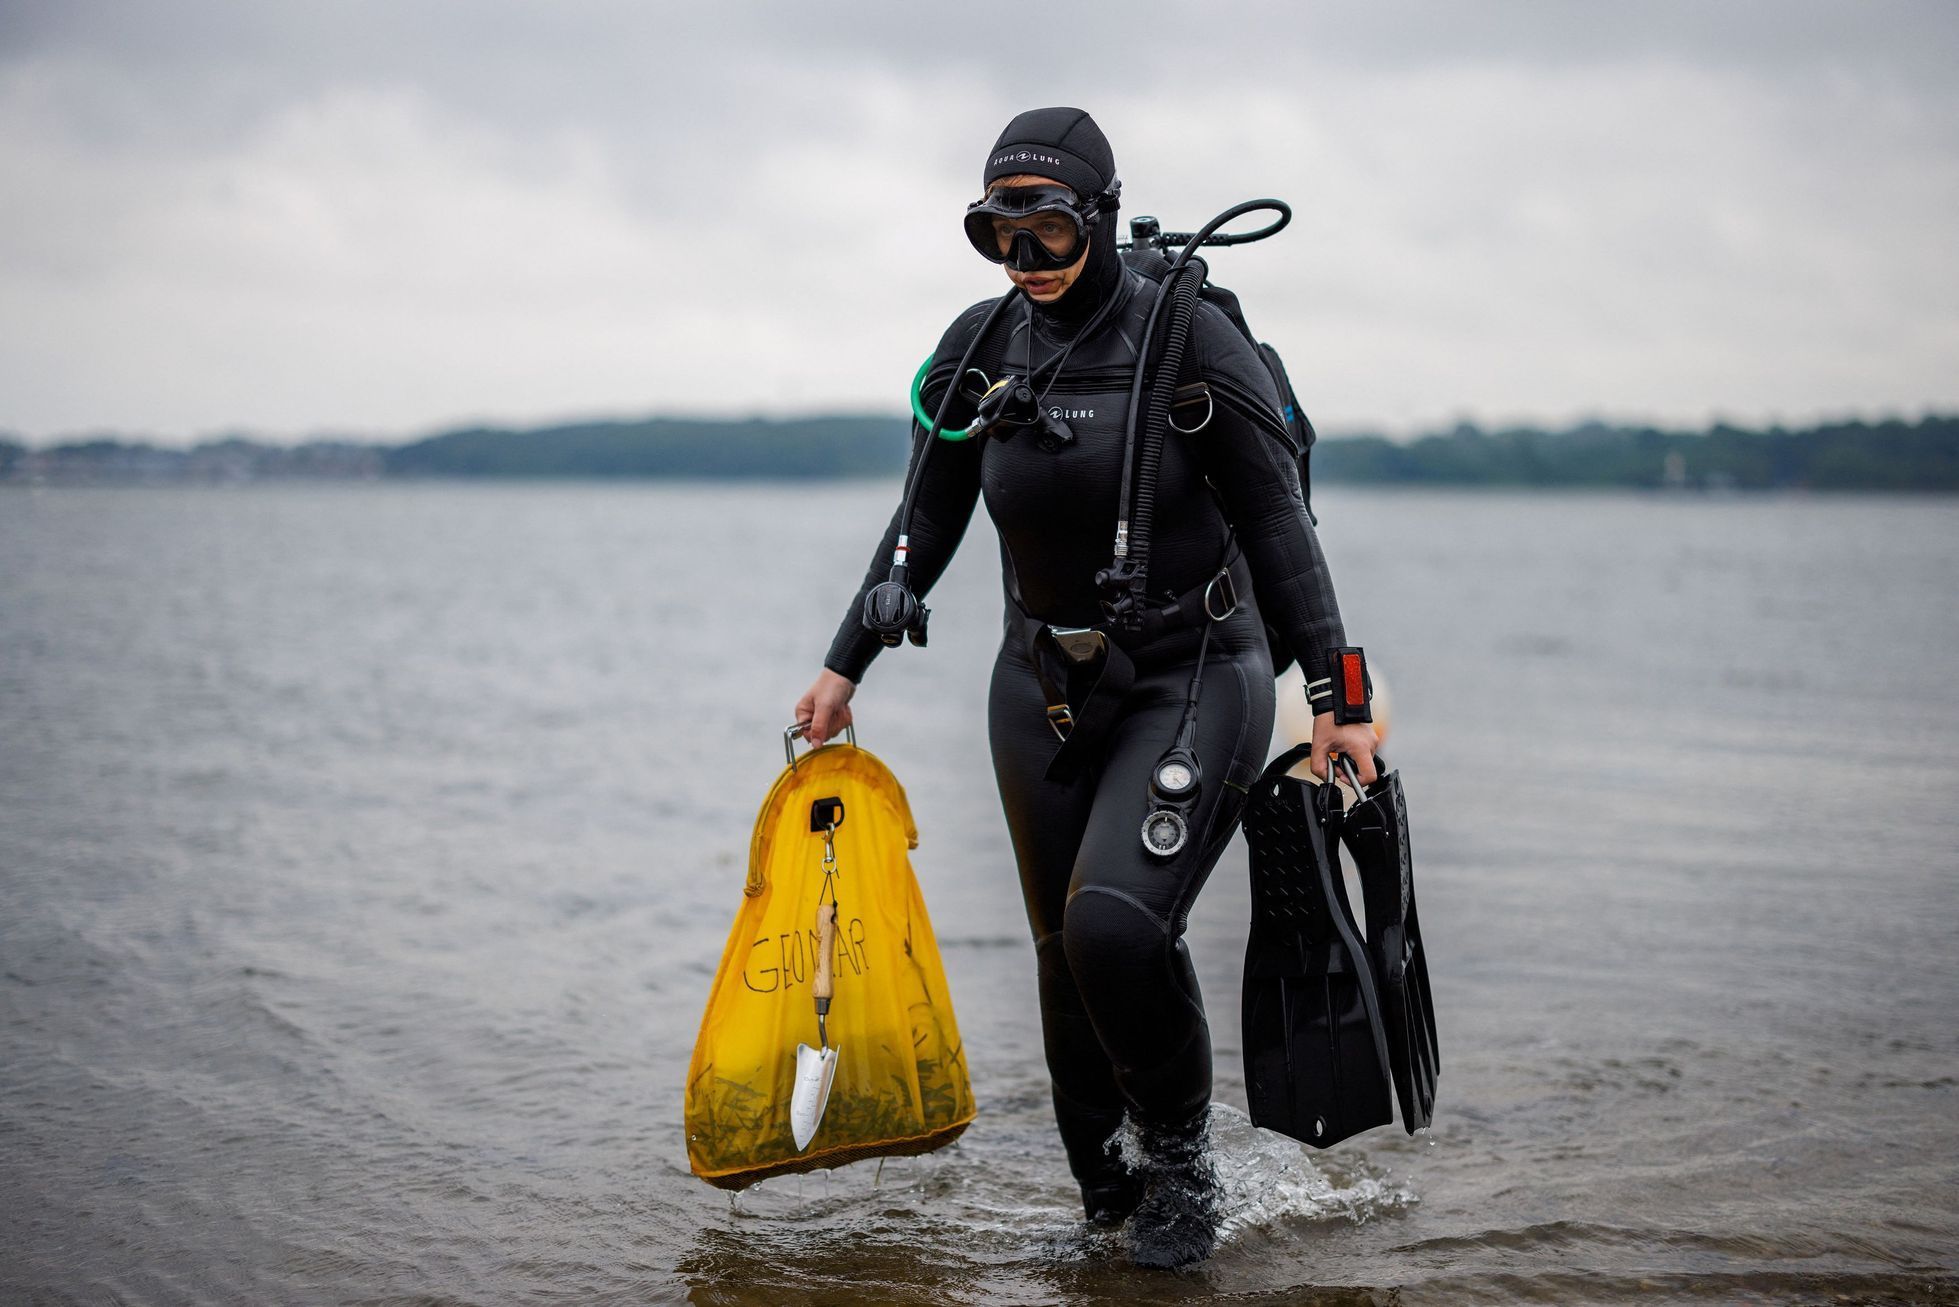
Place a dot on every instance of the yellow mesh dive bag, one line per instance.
(900, 1082)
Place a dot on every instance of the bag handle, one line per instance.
(801, 729)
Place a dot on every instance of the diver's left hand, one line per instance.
(1355, 740)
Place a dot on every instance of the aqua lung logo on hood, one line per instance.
(1024, 156)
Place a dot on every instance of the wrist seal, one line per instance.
(1347, 691)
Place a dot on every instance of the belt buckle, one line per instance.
(1062, 718)
(1081, 644)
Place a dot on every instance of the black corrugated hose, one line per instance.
(1126, 580)
(1186, 280)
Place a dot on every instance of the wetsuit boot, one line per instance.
(1176, 1223)
(1112, 1202)
(1110, 1186)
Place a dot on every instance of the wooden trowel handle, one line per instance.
(826, 947)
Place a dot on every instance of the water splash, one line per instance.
(1266, 1179)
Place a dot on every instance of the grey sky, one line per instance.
(380, 218)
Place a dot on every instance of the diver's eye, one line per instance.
(1055, 234)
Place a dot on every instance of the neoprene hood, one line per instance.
(1065, 144)
(1061, 143)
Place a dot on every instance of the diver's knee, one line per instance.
(1106, 932)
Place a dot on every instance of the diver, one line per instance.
(1090, 719)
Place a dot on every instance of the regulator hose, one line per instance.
(891, 610)
(917, 476)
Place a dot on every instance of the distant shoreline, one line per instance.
(1892, 456)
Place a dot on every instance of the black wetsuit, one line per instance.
(1123, 1021)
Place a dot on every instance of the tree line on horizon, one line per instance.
(1849, 456)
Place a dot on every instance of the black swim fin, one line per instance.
(1316, 1047)
(1375, 831)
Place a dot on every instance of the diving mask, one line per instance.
(1033, 228)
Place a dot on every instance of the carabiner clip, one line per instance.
(794, 733)
(1353, 775)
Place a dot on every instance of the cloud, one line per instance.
(380, 218)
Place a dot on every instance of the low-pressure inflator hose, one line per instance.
(1126, 580)
(1163, 385)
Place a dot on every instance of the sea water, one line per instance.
(366, 850)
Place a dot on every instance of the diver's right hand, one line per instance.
(825, 706)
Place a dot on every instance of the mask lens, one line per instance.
(1053, 228)
(1056, 235)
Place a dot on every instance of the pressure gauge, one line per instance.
(1174, 777)
(1164, 832)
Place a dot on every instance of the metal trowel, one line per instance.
(816, 1069)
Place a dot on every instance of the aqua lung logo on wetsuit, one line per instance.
(1024, 156)
(1066, 414)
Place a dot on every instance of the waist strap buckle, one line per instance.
(1081, 645)
(1062, 718)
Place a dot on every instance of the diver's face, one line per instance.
(1049, 285)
